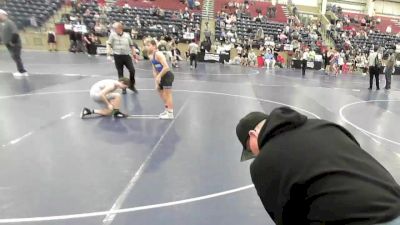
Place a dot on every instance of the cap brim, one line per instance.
(246, 155)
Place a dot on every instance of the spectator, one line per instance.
(252, 58)
(389, 69)
(239, 50)
(280, 60)
(389, 29)
(51, 41)
(134, 33)
(269, 58)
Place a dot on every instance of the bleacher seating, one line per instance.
(245, 23)
(388, 41)
(254, 5)
(127, 17)
(164, 4)
(379, 37)
(385, 21)
(21, 11)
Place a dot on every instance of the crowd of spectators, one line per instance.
(356, 36)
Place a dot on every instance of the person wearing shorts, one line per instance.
(104, 94)
(163, 77)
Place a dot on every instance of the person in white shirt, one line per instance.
(304, 60)
(374, 62)
(239, 50)
(193, 50)
(389, 29)
(340, 63)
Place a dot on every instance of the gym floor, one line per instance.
(57, 169)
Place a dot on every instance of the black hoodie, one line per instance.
(311, 171)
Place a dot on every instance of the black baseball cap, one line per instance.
(247, 123)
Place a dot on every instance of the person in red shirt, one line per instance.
(280, 61)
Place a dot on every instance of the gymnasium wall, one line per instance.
(387, 7)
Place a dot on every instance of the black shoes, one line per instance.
(376, 89)
(85, 112)
(132, 88)
(119, 114)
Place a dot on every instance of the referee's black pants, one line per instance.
(303, 67)
(193, 57)
(125, 60)
(15, 52)
(373, 72)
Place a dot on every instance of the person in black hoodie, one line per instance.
(311, 171)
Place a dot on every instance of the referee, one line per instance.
(122, 47)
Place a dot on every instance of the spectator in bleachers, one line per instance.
(160, 13)
(180, 15)
(252, 58)
(197, 4)
(138, 23)
(269, 58)
(33, 22)
(10, 38)
(259, 34)
(87, 12)
(197, 31)
(239, 50)
(186, 13)
(282, 38)
(280, 61)
(96, 16)
(190, 4)
(244, 59)
(363, 22)
(389, 29)
(134, 33)
(126, 6)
